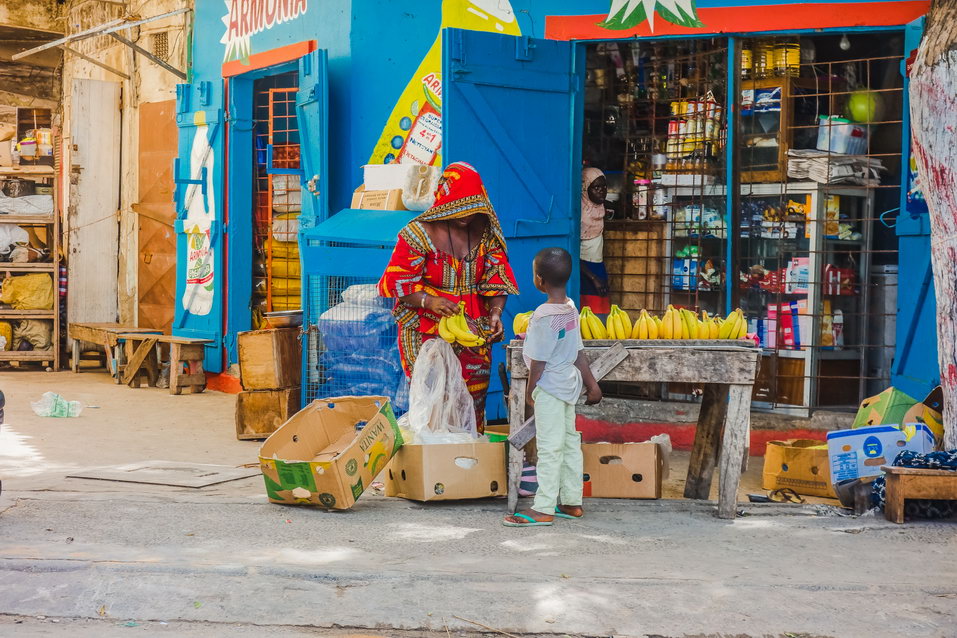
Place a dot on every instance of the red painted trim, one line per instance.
(780, 17)
(223, 382)
(272, 57)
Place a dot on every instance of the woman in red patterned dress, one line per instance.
(452, 252)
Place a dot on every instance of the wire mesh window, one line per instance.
(277, 197)
(351, 345)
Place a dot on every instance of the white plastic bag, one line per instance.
(52, 404)
(664, 447)
(439, 402)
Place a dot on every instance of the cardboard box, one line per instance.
(270, 359)
(259, 413)
(799, 464)
(6, 155)
(861, 452)
(622, 470)
(893, 407)
(330, 451)
(377, 200)
(446, 472)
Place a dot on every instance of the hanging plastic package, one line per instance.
(441, 409)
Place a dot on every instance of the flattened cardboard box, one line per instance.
(800, 464)
(893, 407)
(622, 470)
(445, 472)
(330, 451)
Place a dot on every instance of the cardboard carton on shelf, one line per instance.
(799, 464)
(270, 359)
(330, 451)
(622, 470)
(444, 472)
(259, 413)
(377, 200)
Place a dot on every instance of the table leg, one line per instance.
(175, 369)
(75, 362)
(516, 417)
(707, 441)
(736, 426)
(894, 499)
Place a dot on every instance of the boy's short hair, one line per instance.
(554, 266)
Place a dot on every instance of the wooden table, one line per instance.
(911, 482)
(726, 369)
(107, 335)
(185, 361)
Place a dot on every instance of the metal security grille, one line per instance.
(351, 340)
(785, 210)
(820, 155)
(277, 198)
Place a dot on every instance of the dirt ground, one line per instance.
(97, 558)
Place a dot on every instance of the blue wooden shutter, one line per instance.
(195, 184)
(511, 108)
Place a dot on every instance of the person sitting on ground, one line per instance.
(557, 370)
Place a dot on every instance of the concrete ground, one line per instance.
(94, 558)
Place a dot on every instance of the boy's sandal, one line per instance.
(531, 522)
(560, 514)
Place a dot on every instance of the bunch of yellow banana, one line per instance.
(454, 329)
(709, 327)
(646, 326)
(520, 323)
(671, 324)
(591, 325)
(689, 324)
(618, 324)
(734, 326)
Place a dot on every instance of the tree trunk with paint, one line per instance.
(933, 104)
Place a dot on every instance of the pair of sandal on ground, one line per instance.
(531, 518)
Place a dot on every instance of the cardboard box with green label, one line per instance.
(330, 451)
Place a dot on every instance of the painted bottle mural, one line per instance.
(200, 214)
(413, 132)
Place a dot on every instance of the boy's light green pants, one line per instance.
(559, 465)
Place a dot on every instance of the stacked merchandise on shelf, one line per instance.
(278, 284)
(359, 355)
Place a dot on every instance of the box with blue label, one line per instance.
(861, 452)
(684, 274)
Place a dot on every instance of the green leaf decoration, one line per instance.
(628, 14)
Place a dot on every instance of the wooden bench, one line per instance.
(911, 482)
(108, 336)
(185, 361)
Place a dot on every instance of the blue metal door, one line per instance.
(199, 227)
(916, 370)
(511, 108)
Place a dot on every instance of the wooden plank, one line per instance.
(707, 441)
(672, 363)
(27, 355)
(136, 359)
(516, 417)
(600, 367)
(894, 499)
(736, 426)
(104, 334)
(917, 471)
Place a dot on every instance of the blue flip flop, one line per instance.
(561, 514)
(531, 522)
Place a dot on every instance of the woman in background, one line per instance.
(594, 277)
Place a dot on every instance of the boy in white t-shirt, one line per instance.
(557, 372)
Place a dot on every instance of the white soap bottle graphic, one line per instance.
(200, 215)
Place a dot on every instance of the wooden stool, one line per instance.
(185, 361)
(911, 482)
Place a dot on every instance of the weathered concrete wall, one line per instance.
(45, 15)
(934, 116)
(148, 83)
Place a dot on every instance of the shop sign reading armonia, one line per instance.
(245, 18)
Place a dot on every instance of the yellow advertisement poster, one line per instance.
(413, 132)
